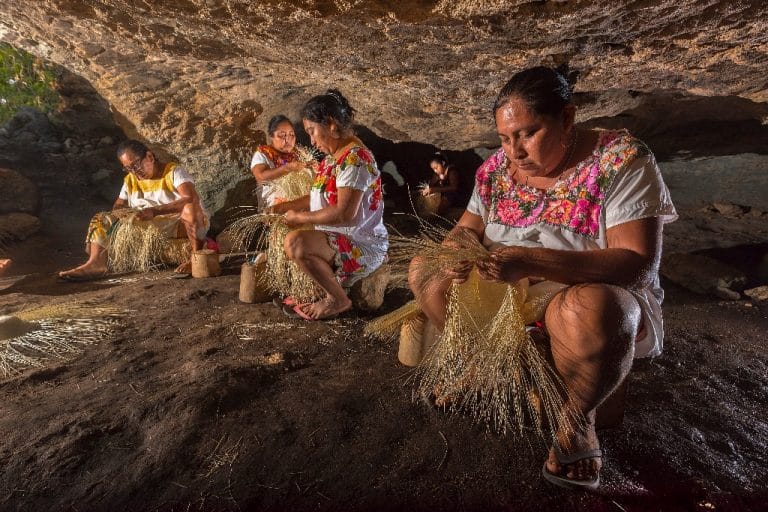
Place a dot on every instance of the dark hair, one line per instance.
(275, 122)
(134, 146)
(331, 105)
(544, 90)
(439, 158)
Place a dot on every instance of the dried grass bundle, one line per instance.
(283, 276)
(388, 326)
(294, 185)
(266, 232)
(433, 251)
(517, 385)
(297, 184)
(56, 339)
(134, 246)
(488, 365)
(249, 232)
(485, 361)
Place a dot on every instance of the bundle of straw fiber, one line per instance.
(134, 245)
(429, 204)
(484, 362)
(298, 183)
(33, 338)
(282, 275)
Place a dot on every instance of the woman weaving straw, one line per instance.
(444, 181)
(345, 207)
(580, 207)
(156, 198)
(275, 160)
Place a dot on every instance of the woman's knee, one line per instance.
(596, 311)
(294, 245)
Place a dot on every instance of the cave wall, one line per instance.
(201, 78)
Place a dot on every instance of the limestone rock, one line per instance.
(759, 293)
(106, 183)
(18, 226)
(200, 79)
(703, 274)
(17, 193)
(367, 294)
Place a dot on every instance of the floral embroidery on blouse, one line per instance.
(278, 158)
(574, 203)
(325, 178)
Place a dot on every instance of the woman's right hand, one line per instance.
(459, 273)
(294, 166)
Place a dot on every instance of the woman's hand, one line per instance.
(459, 273)
(294, 166)
(294, 219)
(146, 214)
(505, 264)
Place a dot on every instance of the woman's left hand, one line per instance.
(504, 264)
(294, 219)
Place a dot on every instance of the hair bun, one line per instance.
(571, 76)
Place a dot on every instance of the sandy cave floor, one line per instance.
(200, 402)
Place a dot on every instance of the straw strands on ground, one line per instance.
(134, 246)
(51, 333)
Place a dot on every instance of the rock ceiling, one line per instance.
(201, 77)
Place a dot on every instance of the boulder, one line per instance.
(702, 274)
(759, 293)
(18, 226)
(17, 193)
(367, 294)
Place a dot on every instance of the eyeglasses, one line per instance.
(135, 166)
(285, 135)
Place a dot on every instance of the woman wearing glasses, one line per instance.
(275, 160)
(163, 194)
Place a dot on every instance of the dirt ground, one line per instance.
(199, 402)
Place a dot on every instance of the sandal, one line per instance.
(564, 460)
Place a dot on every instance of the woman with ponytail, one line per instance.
(345, 207)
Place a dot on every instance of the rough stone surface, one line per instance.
(703, 274)
(18, 226)
(200, 78)
(17, 193)
(758, 293)
(367, 294)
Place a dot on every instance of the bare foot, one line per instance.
(184, 268)
(326, 308)
(583, 470)
(4, 264)
(84, 272)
